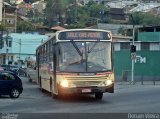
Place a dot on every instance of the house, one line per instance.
(39, 6)
(145, 7)
(57, 28)
(9, 17)
(20, 47)
(118, 15)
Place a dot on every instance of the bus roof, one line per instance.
(84, 30)
(74, 30)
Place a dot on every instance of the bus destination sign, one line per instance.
(84, 35)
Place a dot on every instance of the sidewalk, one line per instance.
(138, 83)
(127, 84)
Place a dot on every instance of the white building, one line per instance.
(21, 46)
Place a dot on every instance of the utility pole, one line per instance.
(16, 21)
(133, 51)
(20, 63)
(19, 49)
(7, 43)
(133, 47)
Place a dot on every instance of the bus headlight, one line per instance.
(64, 83)
(108, 82)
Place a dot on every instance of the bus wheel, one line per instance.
(98, 96)
(54, 96)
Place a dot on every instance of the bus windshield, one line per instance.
(84, 56)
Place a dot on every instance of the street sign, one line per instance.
(133, 56)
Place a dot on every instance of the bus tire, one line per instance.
(50, 84)
(54, 96)
(99, 95)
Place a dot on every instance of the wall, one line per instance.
(147, 64)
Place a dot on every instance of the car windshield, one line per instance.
(84, 56)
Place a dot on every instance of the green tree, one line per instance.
(86, 15)
(141, 18)
(2, 27)
(25, 26)
(55, 11)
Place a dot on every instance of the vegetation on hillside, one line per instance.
(69, 14)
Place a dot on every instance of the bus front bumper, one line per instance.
(86, 90)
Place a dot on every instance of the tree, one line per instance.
(141, 18)
(2, 27)
(25, 26)
(55, 11)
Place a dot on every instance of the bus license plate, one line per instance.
(86, 90)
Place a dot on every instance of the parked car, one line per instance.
(14, 68)
(5, 66)
(1, 68)
(10, 84)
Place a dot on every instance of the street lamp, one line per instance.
(19, 57)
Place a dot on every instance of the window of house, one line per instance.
(10, 43)
(125, 46)
(10, 21)
(145, 46)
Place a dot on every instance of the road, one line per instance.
(126, 99)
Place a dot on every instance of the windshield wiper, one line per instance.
(89, 51)
(76, 47)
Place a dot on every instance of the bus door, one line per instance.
(54, 80)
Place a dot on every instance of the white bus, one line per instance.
(76, 61)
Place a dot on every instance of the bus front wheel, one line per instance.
(99, 96)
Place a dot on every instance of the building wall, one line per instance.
(21, 47)
(146, 62)
(149, 36)
(10, 22)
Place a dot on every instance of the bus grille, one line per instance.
(86, 81)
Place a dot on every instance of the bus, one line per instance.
(76, 61)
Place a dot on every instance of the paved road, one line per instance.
(126, 99)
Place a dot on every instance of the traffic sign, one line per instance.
(133, 56)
